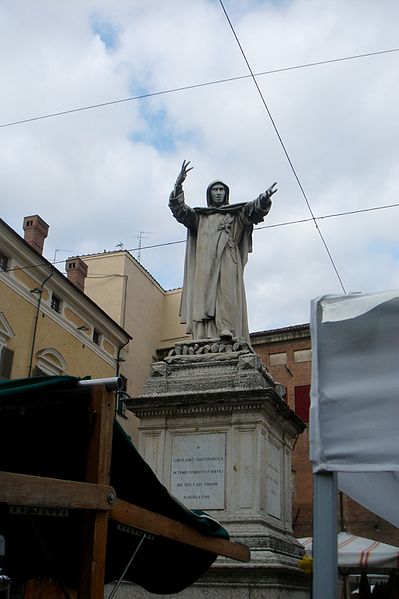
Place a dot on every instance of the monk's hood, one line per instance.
(208, 192)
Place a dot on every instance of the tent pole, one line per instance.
(118, 583)
(325, 552)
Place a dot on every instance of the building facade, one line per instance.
(286, 353)
(118, 283)
(48, 326)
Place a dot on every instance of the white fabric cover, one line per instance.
(354, 415)
(376, 491)
(358, 552)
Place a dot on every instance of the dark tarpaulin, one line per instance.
(44, 431)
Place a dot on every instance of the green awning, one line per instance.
(43, 432)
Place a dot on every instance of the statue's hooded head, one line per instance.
(217, 194)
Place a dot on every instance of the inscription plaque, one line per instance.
(274, 481)
(198, 470)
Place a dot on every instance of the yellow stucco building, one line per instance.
(48, 325)
(118, 283)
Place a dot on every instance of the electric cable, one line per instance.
(284, 149)
(347, 213)
(194, 86)
(158, 245)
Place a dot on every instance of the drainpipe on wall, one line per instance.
(118, 357)
(39, 301)
(125, 283)
(120, 393)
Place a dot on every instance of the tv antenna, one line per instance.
(59, 250)
(140, 237)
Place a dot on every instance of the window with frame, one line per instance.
(49, 362)
(278, 359)
(302, 401)
(3, 261)
(6, 354)
(96, 336)
(6, 360)
(303, 355)
(56, 303)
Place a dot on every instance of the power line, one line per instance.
(194, 86)
(282, 224)
(284, 149)
(347, 213)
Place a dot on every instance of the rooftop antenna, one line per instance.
(59, 250)
(140, 238)
(119, 245)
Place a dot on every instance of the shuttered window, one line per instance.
(56, 303)
(6, 358)
(3, 261)
(302, 401)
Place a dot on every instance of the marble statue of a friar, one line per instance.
(219, 238)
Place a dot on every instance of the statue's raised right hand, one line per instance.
(183, 173)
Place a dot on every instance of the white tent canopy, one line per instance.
(354, 398)
(353, 418)
(360, 553)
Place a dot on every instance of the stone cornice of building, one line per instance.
(299, 331)
(38, 268)
(206, 402)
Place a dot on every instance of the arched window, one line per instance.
(49, 362)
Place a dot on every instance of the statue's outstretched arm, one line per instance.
(182, 213)
(256, 210)
(266, 195)
(185, 168)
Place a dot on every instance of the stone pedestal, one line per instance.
(216, 431)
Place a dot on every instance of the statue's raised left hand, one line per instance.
(270, 191)
(266, 195)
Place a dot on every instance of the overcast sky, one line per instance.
(102, 177)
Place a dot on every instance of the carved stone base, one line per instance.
(195, 367)
(216, 430)
(251, 581)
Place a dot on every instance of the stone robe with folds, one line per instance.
(218, 243)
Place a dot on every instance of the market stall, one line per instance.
(80, 507)
(359, 553)
(366, 567)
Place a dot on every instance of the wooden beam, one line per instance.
(25, 489)
(132, 515)
(98, 467)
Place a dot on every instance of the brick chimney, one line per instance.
(76, 271)
(35, 232)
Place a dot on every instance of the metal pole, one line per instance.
(325, 552)
(117, 585)
(114, 383)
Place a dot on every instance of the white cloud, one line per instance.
(100, 177)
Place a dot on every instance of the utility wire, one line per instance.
(307, 220)
(194, 86)
(283, 224)
(284, 149)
